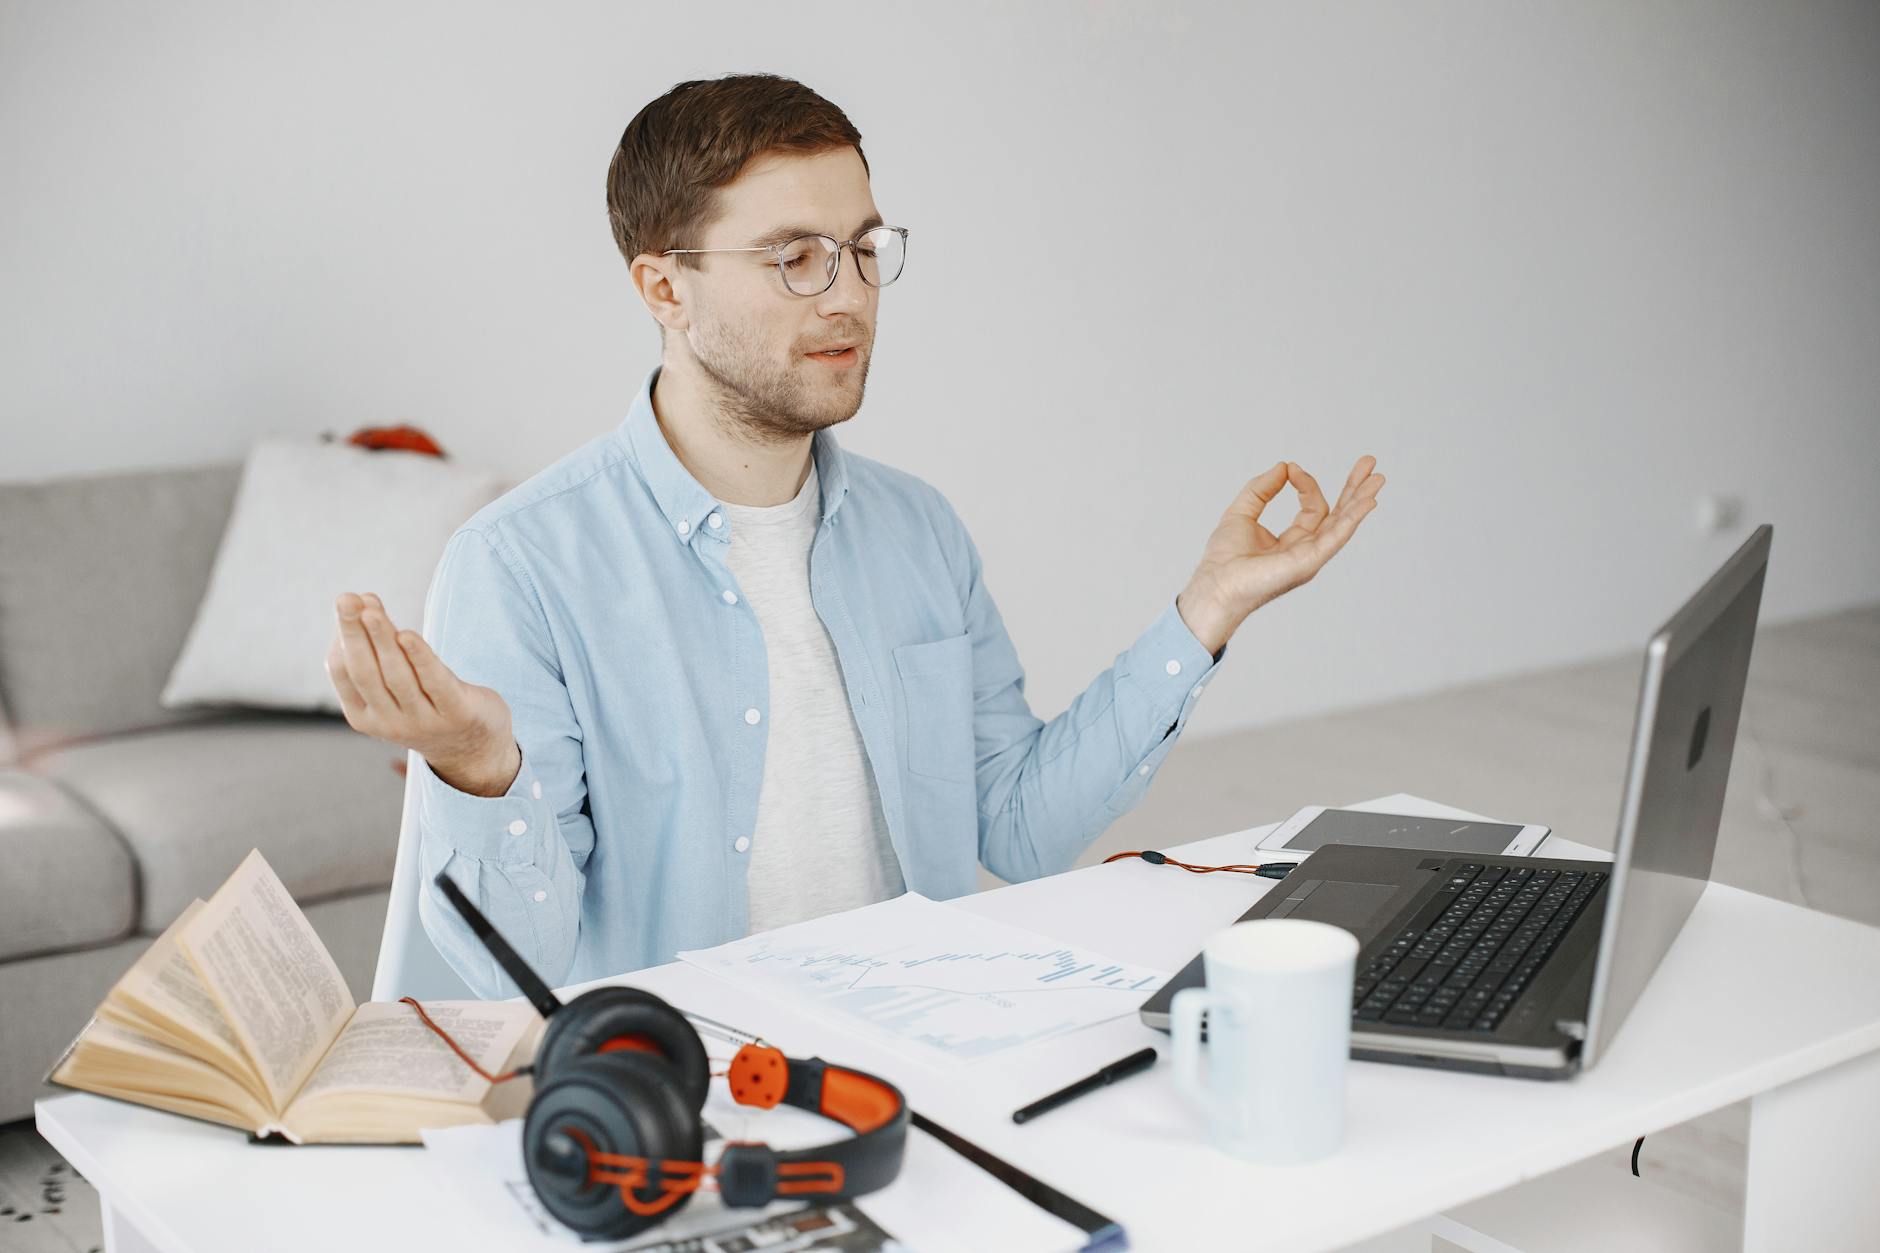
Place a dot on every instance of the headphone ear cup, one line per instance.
(622, 1103)
(633, 1021)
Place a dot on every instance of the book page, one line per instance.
(364, 1115)
(266, 968)
(164, 987)
(128, 1015)
(386, 1048)
(113, 1060)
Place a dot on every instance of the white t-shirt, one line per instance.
(821, 843)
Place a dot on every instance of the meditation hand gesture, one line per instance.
(393, 687)
(1245, 565)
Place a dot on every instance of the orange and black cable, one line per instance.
(1267, 870)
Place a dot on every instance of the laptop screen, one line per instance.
(1696, 668)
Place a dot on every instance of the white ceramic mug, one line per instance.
(1278, 1001)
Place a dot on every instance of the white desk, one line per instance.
(1757, 999)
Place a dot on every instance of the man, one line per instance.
(709, 673)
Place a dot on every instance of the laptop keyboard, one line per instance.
(1468, 953)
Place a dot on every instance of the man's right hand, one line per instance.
(393, 687)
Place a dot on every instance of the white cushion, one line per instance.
(310, 521)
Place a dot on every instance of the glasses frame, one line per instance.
(776, 251)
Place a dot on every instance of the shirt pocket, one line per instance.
(937, 707)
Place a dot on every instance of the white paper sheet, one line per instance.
(941, 985)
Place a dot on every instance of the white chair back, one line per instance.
(409, 964)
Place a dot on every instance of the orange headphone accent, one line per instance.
(680, 1179)
(638, 1043)
(687, 1176)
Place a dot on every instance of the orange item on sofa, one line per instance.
(405, 438)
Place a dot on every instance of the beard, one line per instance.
(767, 402)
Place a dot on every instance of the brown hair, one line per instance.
(677, 151)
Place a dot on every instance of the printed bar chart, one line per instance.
(944, 983)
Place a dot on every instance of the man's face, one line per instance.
(751, 336)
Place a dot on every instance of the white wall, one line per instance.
(1562, 269)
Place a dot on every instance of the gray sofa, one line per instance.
(116, 812)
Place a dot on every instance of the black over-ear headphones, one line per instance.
(613, 1141)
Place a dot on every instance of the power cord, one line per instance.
(1267, 870)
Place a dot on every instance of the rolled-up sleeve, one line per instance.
(519, 857)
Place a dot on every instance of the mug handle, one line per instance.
(1184, 1030)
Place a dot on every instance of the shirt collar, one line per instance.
(686, 504)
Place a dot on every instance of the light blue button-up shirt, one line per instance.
(592, 598)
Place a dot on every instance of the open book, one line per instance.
(238, 1015)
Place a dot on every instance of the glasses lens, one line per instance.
(809, 265)
(881, 253)
(806, 264)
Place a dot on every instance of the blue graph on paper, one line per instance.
(939, 979)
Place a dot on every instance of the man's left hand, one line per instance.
(1245, 565)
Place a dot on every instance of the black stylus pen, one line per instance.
(1139, 1060)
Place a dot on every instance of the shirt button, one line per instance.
(731, 597)
(518, 827)
(744, 844)
(535, 789)
(1173, 666)
(751, 716)
(1143, 768)
(684, 526)
(716, 521)
(540, 897)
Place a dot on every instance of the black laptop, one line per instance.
(1526, 966)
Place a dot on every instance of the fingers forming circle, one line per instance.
(1259, 492)
(1312, 507)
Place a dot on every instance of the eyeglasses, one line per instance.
(809, 263)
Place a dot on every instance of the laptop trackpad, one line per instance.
(1338, 901)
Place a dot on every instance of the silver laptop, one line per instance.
(1527, 966)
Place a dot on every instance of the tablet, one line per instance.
(1315, 825)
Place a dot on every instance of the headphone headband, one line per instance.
(866, 1104)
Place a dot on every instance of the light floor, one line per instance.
(1549, 747)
